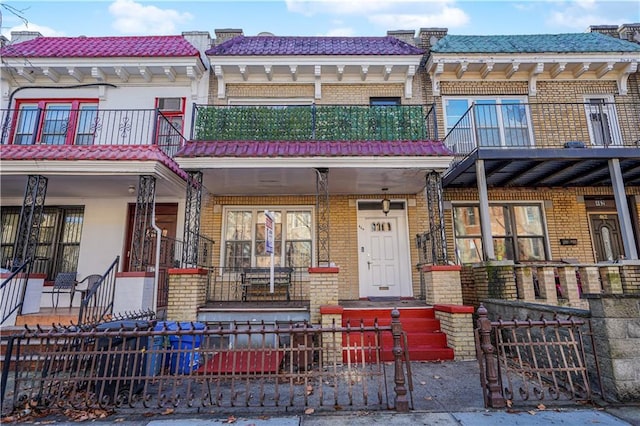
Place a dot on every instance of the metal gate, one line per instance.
(531, 361)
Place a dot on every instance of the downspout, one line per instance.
(157, 265)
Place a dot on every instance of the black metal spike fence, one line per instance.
(150, 365)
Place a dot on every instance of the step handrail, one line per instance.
(12, 296)
(97, 304)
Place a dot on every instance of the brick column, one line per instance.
(456, 321)
(495, 280)
(323, 290)
(331, 342)
(569, 285)
(590, 279)
(547, 284)
(442, 284)
(630, 274)
(187, 292)
(616, 327)
(611, 279)
(524, 283)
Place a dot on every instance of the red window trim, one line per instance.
(42, 103)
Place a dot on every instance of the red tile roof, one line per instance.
(283, 46)
(89, 153)
(101, 47)
(261, 149)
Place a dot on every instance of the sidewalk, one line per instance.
(445, 393)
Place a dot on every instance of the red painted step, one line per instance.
(424, 339)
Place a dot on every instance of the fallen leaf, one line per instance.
(436, 377)
(532, 412)
(168, 411)
(541, 407)
(309, 411)
(428, 398)
(337, 407)
(231, 419)
(148, 414)
(309, 389)
(423, 383)
(119, 420)
(509, 403)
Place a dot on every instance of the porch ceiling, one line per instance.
(302, 181)
(86, 186)
(545, 168)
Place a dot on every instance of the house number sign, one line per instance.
(381, 226)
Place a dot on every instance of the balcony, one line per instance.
(91, 126)
(312, 122)
(544, 144)
(594, 124)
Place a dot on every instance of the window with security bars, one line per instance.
(245, 238)
(58, 240)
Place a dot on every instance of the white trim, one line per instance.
(204, 163)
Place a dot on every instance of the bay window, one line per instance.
(517, 231)
(245, 237)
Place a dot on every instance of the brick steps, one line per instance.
(425, 340)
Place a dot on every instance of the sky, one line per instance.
(311, 17)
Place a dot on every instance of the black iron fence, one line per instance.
(167, 365)
(544, 125)
(309, 122)
(91, 126)
(535, 360)
(12, 291)
(254, 284)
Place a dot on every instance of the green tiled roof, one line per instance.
(538, 43)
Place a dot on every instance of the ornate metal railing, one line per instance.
(545, 125)
(535, 360)
(90, 127)
(140, 364)
(12, 291)
(309, 122)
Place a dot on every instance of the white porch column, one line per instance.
(488, 251)
(623, 210)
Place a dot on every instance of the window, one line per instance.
(487, 122)
(517, 230)
(170, 122)
(384, 101)
(602, 121)
(244, 236)
(58, 241)
(55, 122)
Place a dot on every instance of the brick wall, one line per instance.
(187, 292)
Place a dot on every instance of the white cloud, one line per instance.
(135, 18)
(449, 17)
(45, 31)
(340, 32)
(579, 15)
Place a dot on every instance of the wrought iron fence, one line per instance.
(97, 303)
(545, 125)
(12, 291)
(90, 126)
(309, 122)
(186, 366)
(253, 284)
(535, 360)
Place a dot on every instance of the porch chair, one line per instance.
(91, 281)
(65, 282)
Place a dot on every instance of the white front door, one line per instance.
(383, 254)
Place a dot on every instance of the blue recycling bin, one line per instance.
(159, 351)
(184, 356)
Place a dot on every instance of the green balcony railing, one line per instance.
(310, 122)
